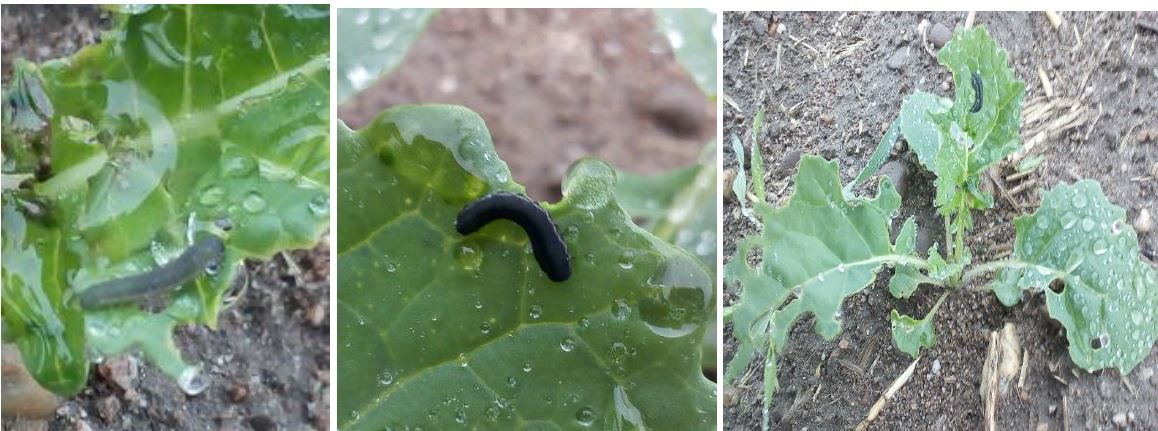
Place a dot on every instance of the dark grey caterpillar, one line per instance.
(549, 248)
(205, 254)
(977, 91)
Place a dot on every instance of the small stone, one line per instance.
(1042, 426)
(316, 315)
(122, 372)
(1120, 419)
(262, 423)
(1144, 222)
(238, 392)
(759, 26)
(730, 396)
(896, 170)
(827, 119)
(109, 408)
(939, 35)
(936, 368)
(788, 163)
(1147, 135)
(897, 60)
(844, 343)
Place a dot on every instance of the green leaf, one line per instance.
(905, 280)
(678, 206)
(183, 116)
(374, 42)
(816, 251)
(692, 35)
(740, 183)
(916, 122)
(757, 158)
(1110, 296)
(436, 329)
(994, 129)
(910, 335)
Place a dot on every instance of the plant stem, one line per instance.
(987, 267)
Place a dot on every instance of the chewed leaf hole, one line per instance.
(1099, 342)
(1057, 285)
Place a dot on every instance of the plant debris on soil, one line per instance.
(554, 85)
(831, 83)
(267, 362)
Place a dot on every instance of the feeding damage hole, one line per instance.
(1057, 285)
(1099, 342)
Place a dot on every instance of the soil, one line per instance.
(554, 85)
(267, 362)
(833, 93)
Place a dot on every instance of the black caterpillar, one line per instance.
(204, 254)
(977, 90)
(550, 250)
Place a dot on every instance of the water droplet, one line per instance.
(567, 344)
(320, 205)
(627, 260)
(386, 378)
(680, 300)
(485, 327)
(212, 196)
(237, 166)
(253, 202)
(585, 416)
(1042, 222)
(191, 381)
(527, 367)
(1136, 316)
(1079, 200)
(1100, 247)
(512, 382)
(1087, 224)
(536, 312)
(621, 310)
(584, 322)
(468, 256)
(460, 417)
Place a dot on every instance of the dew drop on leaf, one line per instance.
(527, 367)
(212, 196)
(621, 310)
(320, 205)
(585, 416)
(567, 344)
(1087, 224)
(1080, 200)
(535, 312)
(467, 255)
(386, 378)
(253, 202)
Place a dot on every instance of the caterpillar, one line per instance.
(548, 246)
(204, 255)
(977, 87)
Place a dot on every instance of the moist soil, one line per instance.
(267, 362)
(832, 92)
(554, 85)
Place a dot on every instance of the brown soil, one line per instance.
(838, 69)
(554, 85)
(267, 364)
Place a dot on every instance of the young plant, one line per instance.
(829, 243)
(189, 139)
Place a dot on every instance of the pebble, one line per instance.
(936, 369)
(262, 423)
(939, 35)
(1144, 222)
(1120, 419)
(238, 392)
(759, 26)
(827, 119)
(788, 164)
(1042, 426)
(1147, 135)
(897, 60)
(109, 408)
(121, 371)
